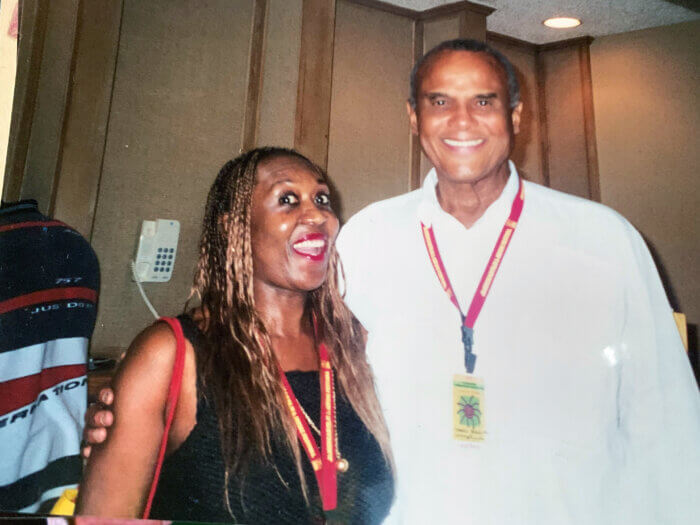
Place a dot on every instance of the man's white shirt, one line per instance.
(592, 413)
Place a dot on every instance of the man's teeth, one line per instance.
(463, 143)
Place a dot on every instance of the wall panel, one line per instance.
(280, 74)
(440, 29)
(368, 155)
(472, 25)
(527, 153)
(568, 162)
(30, 48)
(312, 120)
(87, 113)
(44, 144)
(176, 117)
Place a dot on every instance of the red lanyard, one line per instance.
(323, 462)
(487, 278)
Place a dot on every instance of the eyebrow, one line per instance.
(280, 181)
(436, 94)
(287, 180)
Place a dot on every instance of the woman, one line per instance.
(270, 304)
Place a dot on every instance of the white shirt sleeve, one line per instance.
(658, 404)
(353, 246)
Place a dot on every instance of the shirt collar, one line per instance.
(430, 210)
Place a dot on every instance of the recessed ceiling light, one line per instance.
(562, 22)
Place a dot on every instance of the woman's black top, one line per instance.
(191, 485)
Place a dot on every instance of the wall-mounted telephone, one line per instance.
(155, 256)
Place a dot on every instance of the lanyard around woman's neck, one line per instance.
(323, 461)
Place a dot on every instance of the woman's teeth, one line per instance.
(310, 247)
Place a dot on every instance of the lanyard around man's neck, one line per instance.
(487, 278)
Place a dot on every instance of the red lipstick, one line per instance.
(312, 246)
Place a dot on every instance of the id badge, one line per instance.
(468, 413)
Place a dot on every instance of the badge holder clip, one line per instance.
(468, 342)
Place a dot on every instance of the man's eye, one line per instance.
(439, 102)
(483, 102)
(288, 199)
(323, 199)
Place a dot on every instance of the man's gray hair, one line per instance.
(475, 46)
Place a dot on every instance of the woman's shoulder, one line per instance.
(148, 363)
(154, 345)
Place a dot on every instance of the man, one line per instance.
(563, 394)
(49, 282)
(581, 406)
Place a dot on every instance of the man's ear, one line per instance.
(515, 117)
(412, 117)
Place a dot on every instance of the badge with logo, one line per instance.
(468, 413)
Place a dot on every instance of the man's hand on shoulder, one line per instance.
(98, 418)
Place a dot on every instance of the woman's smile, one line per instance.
(312, 246)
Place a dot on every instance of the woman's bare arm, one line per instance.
(119, 473)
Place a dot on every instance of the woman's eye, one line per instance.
(323, 199)
(288, 199)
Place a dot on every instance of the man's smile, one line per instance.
(463, 143)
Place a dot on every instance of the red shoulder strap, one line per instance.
(171, 404)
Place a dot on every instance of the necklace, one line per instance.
(341, 463)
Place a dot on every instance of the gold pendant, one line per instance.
(342, 465)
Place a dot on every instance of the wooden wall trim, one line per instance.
(472, 25)
(66, 109)
(571, 42)
(542, 116)
(87, 115)
(415, 149)
(251, 109)
(589, 122)
(389, 8)
(107, 124)
(509, 40)
(312, 122)
(32, 31)
(428, 14)
(583, 45)
(453, 9)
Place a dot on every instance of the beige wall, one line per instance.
(175, 119)
(368, 153)
(176, 109)
(647, 113)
